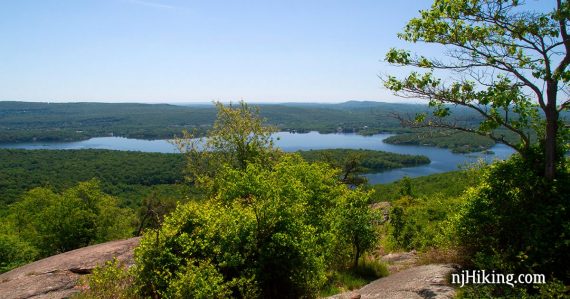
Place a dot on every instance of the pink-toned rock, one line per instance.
(420, 282)
(57, 276)
(355, 296)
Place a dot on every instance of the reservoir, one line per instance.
(442, 160)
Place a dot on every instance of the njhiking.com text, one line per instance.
(490, 277)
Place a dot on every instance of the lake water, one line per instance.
(442, 160)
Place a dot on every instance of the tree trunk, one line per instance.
(356, 252)
(139, 231)
(550, 145)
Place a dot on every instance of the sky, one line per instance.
(199, 51)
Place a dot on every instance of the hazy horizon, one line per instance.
(199, 102)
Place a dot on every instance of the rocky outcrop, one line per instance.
(399, 261)
(427, 281)
(57, 276)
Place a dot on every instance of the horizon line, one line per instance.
(210, 102)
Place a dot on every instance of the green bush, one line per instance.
(371, 268)
(272, 226)
(423, 222)
(194, 235)
(270, 233)
(14, 252)
(110, 281)
(517, 222)
(552, 290)
(79, 216)
(342, 280)
(201, 281)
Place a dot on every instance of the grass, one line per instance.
(112, 280)
(351, 279)
(442, 256)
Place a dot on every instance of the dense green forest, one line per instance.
(368, 161)
(132, 176)
(128, 175)
(458, 142)
(25, 121)
(447, 184)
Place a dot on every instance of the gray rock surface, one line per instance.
(400, 260)
(420, 282)
(57, 276)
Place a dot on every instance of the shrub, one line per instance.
(110, 281)
(341, 280)
(201, 281)
(265, 232)
(273, 225)
(554, 289)
(423, 222)
(371, 268)
(80, 216)
(517, 222)
(14, 252)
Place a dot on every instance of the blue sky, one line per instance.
(187, 51)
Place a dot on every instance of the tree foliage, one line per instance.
(14, 251)
(353, 162)
(239, 137)
(129, 176)
(272, 232)
(511, 66)
(45, 122)
(273, 225)
(80, 216)
(518, 223)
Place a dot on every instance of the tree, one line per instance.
(152, 211)
(406, 186)
(239, 137)
(14, 251)
(272, 232)
(515, 222)
(80, 216)
(356, 223)
(512, 69)
(350, 164)
(272, 226)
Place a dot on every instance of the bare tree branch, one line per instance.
(565, 105)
